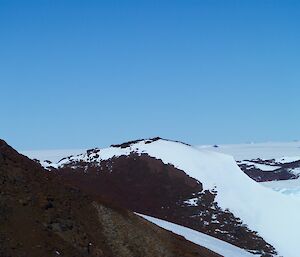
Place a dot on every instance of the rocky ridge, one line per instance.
(40, 216)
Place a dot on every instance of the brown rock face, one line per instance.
(39, 216)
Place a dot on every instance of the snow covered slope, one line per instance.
(211, 243)
(273, 215)
(287, 187)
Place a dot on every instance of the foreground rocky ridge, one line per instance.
(145, 184)
(41, 217)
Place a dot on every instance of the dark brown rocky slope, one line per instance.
(41, 217)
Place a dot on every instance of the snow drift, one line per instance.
(211, 243)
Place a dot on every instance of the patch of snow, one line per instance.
(211, 243)
(192, 201)
(295, 171)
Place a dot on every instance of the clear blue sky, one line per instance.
(90, 73)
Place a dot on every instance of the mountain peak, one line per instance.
(146, 141)
(3, 145)
(132, 142)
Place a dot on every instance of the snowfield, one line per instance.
(287, 187)
(273, 215)
(270, 150)
(211, 243)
